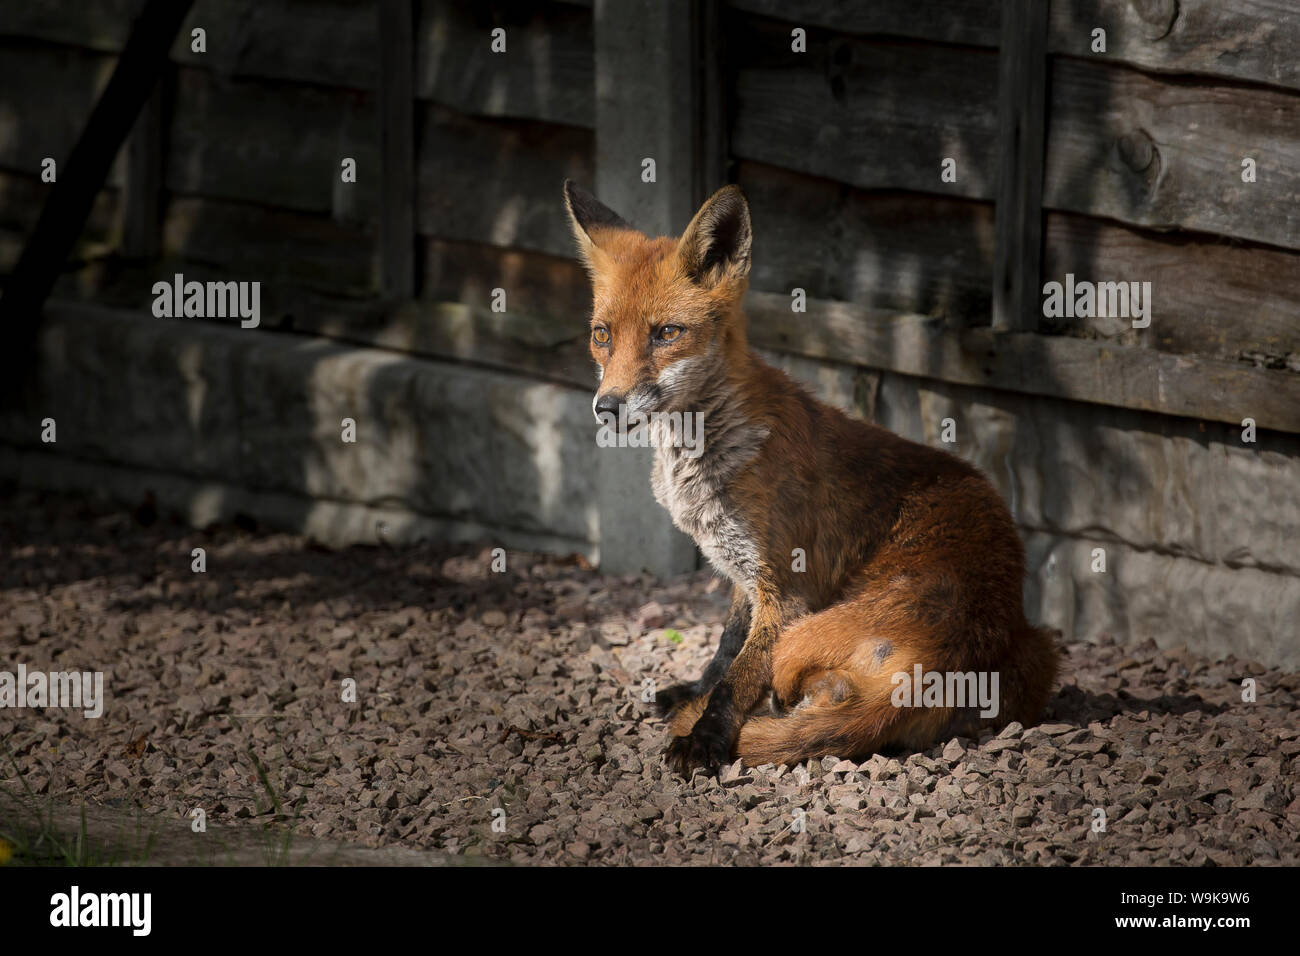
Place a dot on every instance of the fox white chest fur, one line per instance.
(694, 490)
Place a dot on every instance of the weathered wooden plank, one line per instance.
(291, 162)
(34, 127)
(853, 334)
(1057, 366)
(64, 215)
(289, 253)
(397, 149)
(142, 216)
(333, 42)
(1105, 374)
(1168, 155)
(547, 75)
(1209, 297)
(875, 114)
(316, 276)
(316, 251)
(1064, 367)
(534, 283)
(902, 252)
(973, 22)
(1254, 40)
(542, 331)
(1022, 101)
(272, 143)
(547, 72)
(1251, 40)
(330, 42)
(512, 341)
(287, 299)
(21, 199)
(1120, 144)
(103, 25)
(499, 182)
(89, 245)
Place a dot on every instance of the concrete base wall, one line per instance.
(215, 420)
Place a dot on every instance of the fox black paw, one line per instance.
(671, 698)
(706, 746)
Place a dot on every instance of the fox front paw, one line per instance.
(707, 746)
(670, 698)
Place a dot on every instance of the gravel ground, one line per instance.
(516, 698)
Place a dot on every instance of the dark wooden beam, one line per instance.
(1022, 104)
(397, 148)
(81, 176)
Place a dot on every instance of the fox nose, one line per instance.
(606, 404)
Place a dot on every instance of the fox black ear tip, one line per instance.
(731, 195)
(574, 195)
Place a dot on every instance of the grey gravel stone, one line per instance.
(522, 691)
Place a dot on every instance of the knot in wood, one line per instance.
(1137, 150)
(1159, 15)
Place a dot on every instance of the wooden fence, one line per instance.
(1122, 165)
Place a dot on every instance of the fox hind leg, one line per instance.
(832, 671)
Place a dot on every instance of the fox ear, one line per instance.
(715, 246)
(587, 213)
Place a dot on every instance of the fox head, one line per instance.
(666, 320)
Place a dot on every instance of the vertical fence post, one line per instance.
(651, 105)
(397, 148)
(1022, 110)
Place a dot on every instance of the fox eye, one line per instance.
(669, 332)
(600, 336)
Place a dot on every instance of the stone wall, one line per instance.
(216, 420)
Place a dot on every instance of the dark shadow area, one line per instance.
(1074, 705)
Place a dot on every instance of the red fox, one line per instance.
(861, 561)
